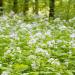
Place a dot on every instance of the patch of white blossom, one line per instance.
(54, 61)
(5, 73)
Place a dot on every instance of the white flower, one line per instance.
(72, 35)
(25, 74)
(62, 27)
(33, 1)
(51, 43)
(66, 62)
(7, 52)
(48, 33)
(58, 73)
(14, 35)
(0, 65)
(59, 41)
(1, 29)
(31, 36)
(70, 52)
(54, 61)
(12, 13)
(63, 46)
(18, 49)
(7, 25)
(22, 25)
(42, 45)
(50, 60)
(46, 53)
(5, 73)
(34, 24)
(37, 16)
(19, 21)
(46, 19)
(73, 45)
(38, 50)
(32, 41)
(4, 17)
(29, 26)
(42, 51)
(32, 57)
(39, 34)
(34, 65)
(71, 20)
(57, 20)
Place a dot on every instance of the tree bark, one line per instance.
(26, 6)
(68, 10)
(15, 6)
(1, 2)
(1, 7)
(51, 6)
(36, 7)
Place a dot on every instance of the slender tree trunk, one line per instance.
(68, 10)
(26, 6)
(36, 7)
(61, 2)
(51, 6)
(1, 2)
(1, 7)
(33, 4)
(15, 6)
(46, 5)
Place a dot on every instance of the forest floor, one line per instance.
(35, 46)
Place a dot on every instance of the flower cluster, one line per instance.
(36, 47)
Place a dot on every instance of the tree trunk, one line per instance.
(1, 7)
(1, 3)
(68, 10)
(26, 6)
(36, 7)
(51, 11)
(15, 6)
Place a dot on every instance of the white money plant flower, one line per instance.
(54, 61)
(42, 51)
(51, 43)
(72, 35)
(35, 65)
(5, 73)
(48, 33)
(32, 57)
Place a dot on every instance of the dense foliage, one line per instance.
(32, 43)
(36, 47)
(64, 9)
